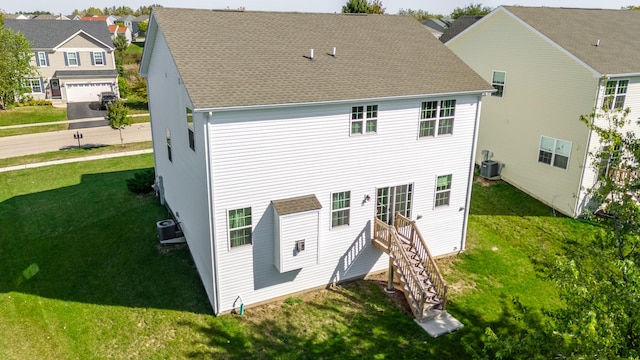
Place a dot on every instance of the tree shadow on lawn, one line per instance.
(95, 242)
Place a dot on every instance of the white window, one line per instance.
(364, 122)
(72, 58)
(340, 204)
(443, 190)
(98, 58)
(240, 227)
(190, 131)
(615, 94)
(436, 117)
(554, 152)
(41, 59)
(169, 145)
(34, 84)
(497, 80)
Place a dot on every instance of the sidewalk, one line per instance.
(80, 159)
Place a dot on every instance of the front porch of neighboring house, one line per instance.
(421, 282)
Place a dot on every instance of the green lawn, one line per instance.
(32, 129)
(31, 115)
(105, 290)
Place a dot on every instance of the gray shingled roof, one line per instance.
(258, 58)
(578, 30)
(296, 204)
(47, 34)
(87, 73)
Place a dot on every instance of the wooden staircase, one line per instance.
(422, 284)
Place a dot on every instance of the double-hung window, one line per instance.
(190, 131)
(554, 152)
(34, 84)
(42, 59)
(443, 190)
(364, 120)
(72, 58)
(340, 204)
(240, 227)
(97, 58)
(436, 118)
(615, 94)
(497, 80)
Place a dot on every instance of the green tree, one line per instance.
(631, 7)
(143, 26)
(146, 10)
(471, 10)
(120, 42)
(15, 66)
(363, 7)
(117, 116)
(92, 11)
(419, 14)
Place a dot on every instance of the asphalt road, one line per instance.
(84, 110)
(60, 140)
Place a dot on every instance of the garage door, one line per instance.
(82, 92)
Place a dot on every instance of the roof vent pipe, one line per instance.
(334, 52)
(598, 42)
(311, 56)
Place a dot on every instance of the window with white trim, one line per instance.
(443, 190)
(34, 84)
(340, 204)
(190, 131)
(98, 58)
(497, 80)
(72, 59)
(169, 145)
(240, 227)
(436, 118)
(615, 94)
(364, 122)
(554, 152)
(42, 59)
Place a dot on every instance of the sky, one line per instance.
(444, 7)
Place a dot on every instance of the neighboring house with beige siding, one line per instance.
(277, 147)
(551, 65)
(74, 59)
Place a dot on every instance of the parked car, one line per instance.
(106, 98)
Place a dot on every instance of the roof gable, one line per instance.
(51, 34)
(579, 30)
(263, 58)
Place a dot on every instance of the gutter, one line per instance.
(210, 202)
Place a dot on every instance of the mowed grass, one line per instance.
(105, 290)
(31, 115)
(33, 129)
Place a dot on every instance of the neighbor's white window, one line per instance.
(72, 58)
(443, 190)
(436, 117)
(35, 85)
(190, 131)
(615, 94)
(340, 204)
(364, 122)
(554, 152)
(42, 59)
(497, 80)
(98, 58)
(240, 227)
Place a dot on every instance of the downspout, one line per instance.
(586, 153)
(210, 202)
(465, 223)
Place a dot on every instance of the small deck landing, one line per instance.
(439, 324)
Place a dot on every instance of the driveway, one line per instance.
(85, 110)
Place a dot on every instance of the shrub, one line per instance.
(124, 88)
(141, 182)
(28, 100)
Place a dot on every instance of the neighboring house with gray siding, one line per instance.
(280, 137)
(74, 59)
(551, 65)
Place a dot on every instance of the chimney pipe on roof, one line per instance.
(598, 42)
(334, 52)
(311, 56)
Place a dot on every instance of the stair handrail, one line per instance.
(417, 241)
(415, 287)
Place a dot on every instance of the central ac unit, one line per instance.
(489, 169)
(166, 229)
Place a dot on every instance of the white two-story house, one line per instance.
(280, 137)
(74, 59)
